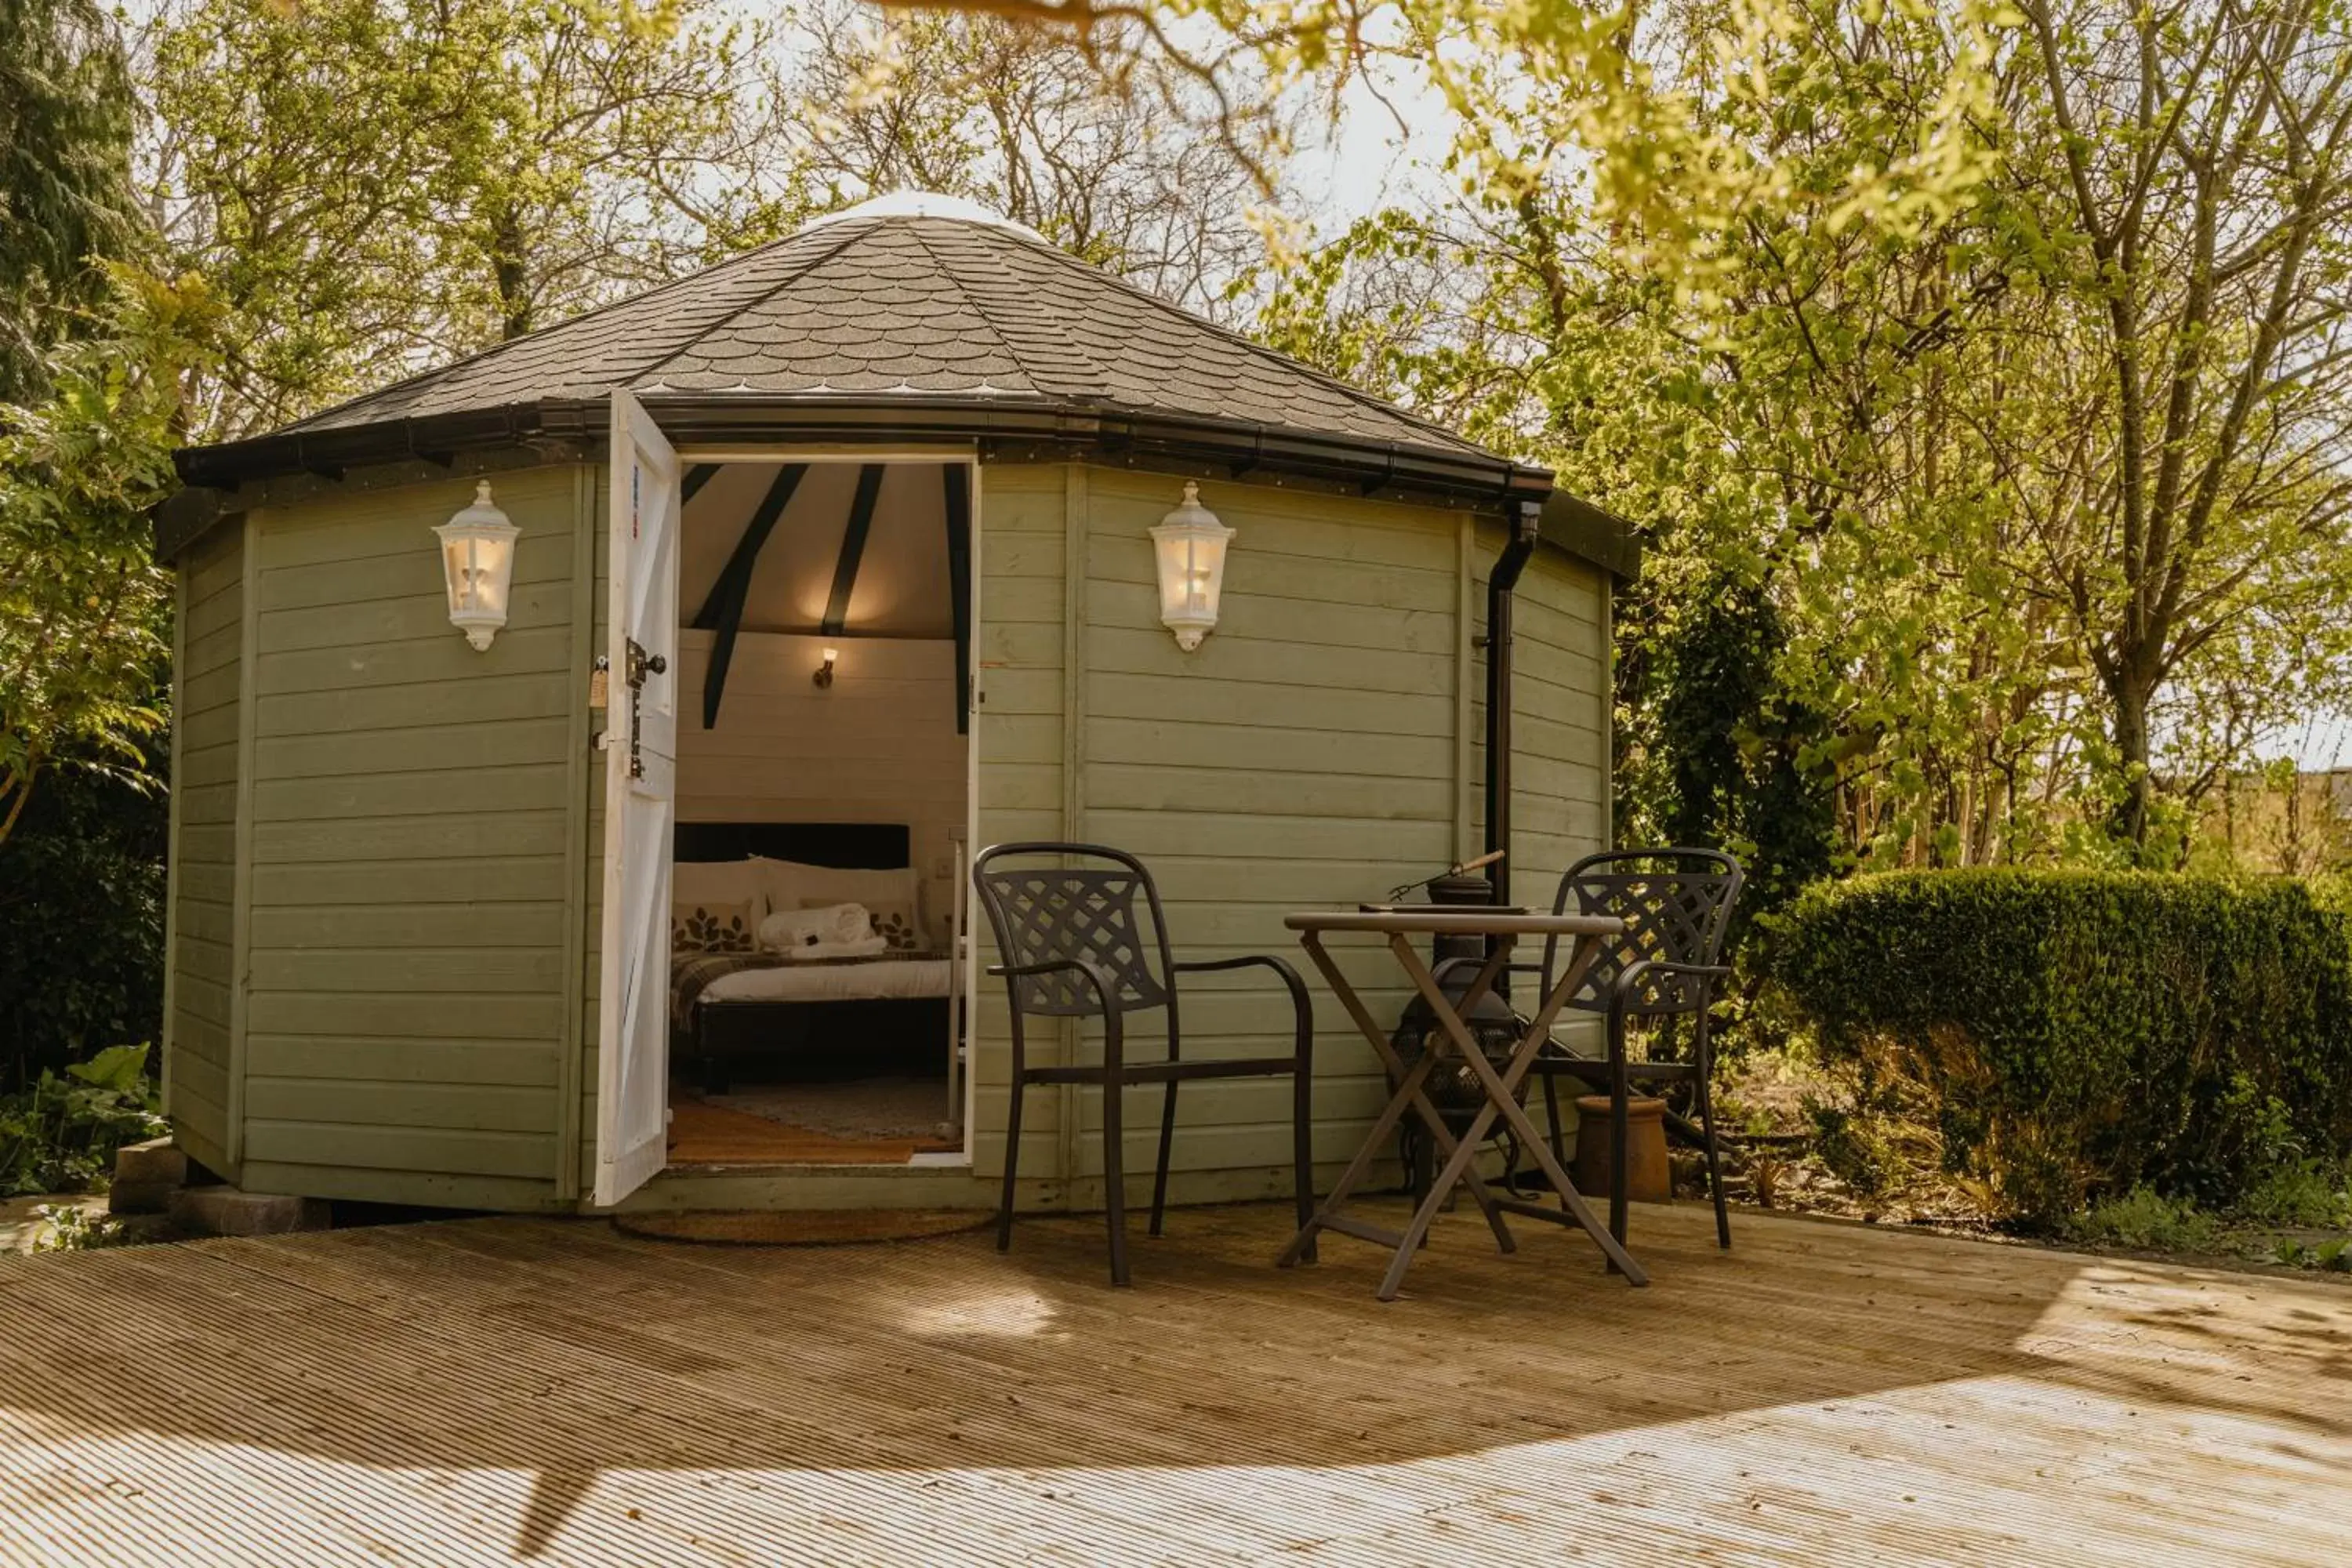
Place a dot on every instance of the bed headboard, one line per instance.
(844, 846)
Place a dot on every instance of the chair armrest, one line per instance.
(1106, 988)
(1290, 980)
(1259, 960)
(1631, 977)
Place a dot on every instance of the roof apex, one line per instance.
(924, 204)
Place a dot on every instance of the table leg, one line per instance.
(1499, 1091)
(1407, 1096)
(1443, 1135)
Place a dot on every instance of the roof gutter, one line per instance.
(1240, 446)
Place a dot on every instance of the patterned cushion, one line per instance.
(699, 926)
(894, 922)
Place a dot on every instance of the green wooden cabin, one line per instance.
(400, 885)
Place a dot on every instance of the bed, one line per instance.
(849, 1017)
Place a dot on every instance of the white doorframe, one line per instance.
(961, 946)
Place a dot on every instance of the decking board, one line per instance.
(507, 1390)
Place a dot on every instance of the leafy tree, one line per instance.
(84, 610)
(65, 174)
(2193, 196)
(1897, 413)
(370, 187)
(1020, 121)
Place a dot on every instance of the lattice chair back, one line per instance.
(1091, 906)
(1676, 906)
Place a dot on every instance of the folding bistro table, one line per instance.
(1504, 929)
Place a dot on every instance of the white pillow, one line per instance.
(791, 885)
(720, 882)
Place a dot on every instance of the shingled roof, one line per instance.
(899, 304)
(910, 319)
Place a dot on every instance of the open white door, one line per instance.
(640, 795)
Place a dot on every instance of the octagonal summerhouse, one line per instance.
(858, 526)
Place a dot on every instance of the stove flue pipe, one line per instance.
(1500, 583)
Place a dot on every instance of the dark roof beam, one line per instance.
(853, 548)
(957, 481)
(746, 549)
(724, 608)
(696, 478)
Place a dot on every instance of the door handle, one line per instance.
(640, 664)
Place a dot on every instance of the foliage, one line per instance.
(1018, 119)
(1730, 750)
(2147, 1219)
(369, 186)
(2066, 1034)
(60, 1134)
(81, 920)
(65, 175)
(84, 610)
(73, 1228)
(2045, 572)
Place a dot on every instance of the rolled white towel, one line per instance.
(799, 932)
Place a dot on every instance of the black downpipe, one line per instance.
(1500, 583)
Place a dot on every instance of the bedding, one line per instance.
(698, 977)
(699, 926)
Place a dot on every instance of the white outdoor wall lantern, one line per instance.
(477, 560)
(1191, 544)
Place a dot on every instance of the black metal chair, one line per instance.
(1677, 905)
(1073, 946)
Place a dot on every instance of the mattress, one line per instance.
(882, 979)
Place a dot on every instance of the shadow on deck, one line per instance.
(499, 1390)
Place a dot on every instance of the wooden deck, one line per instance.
(495, 1391)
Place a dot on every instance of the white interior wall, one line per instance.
(878, 745)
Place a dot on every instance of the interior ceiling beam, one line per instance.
(735, 577)
(853, 547)
(957, 481)
(724, 607)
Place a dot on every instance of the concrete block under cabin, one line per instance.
(526, 710)
(230, 1211)
(146, 1176)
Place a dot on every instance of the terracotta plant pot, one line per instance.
(1649, 1179)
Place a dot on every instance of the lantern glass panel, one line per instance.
(1190, 566)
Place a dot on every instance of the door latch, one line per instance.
(640, 665)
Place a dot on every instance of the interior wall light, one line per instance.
(824, 676)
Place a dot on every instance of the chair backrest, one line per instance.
(1083, 905)
(1676, 906)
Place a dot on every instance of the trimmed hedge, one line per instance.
(2075, 1034)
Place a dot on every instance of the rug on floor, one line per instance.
(854, 1107)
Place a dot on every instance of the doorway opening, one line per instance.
(823, 808)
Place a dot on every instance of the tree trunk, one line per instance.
(2131, 696)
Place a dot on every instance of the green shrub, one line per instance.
(2147, 1220)
(60, 1134)
(81, 921)
(2072, 1034)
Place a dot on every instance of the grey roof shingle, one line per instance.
(914, 307)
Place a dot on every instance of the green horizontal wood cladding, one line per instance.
(198, 1023)
(392, 813)
(385, 903)
(1318, 749)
